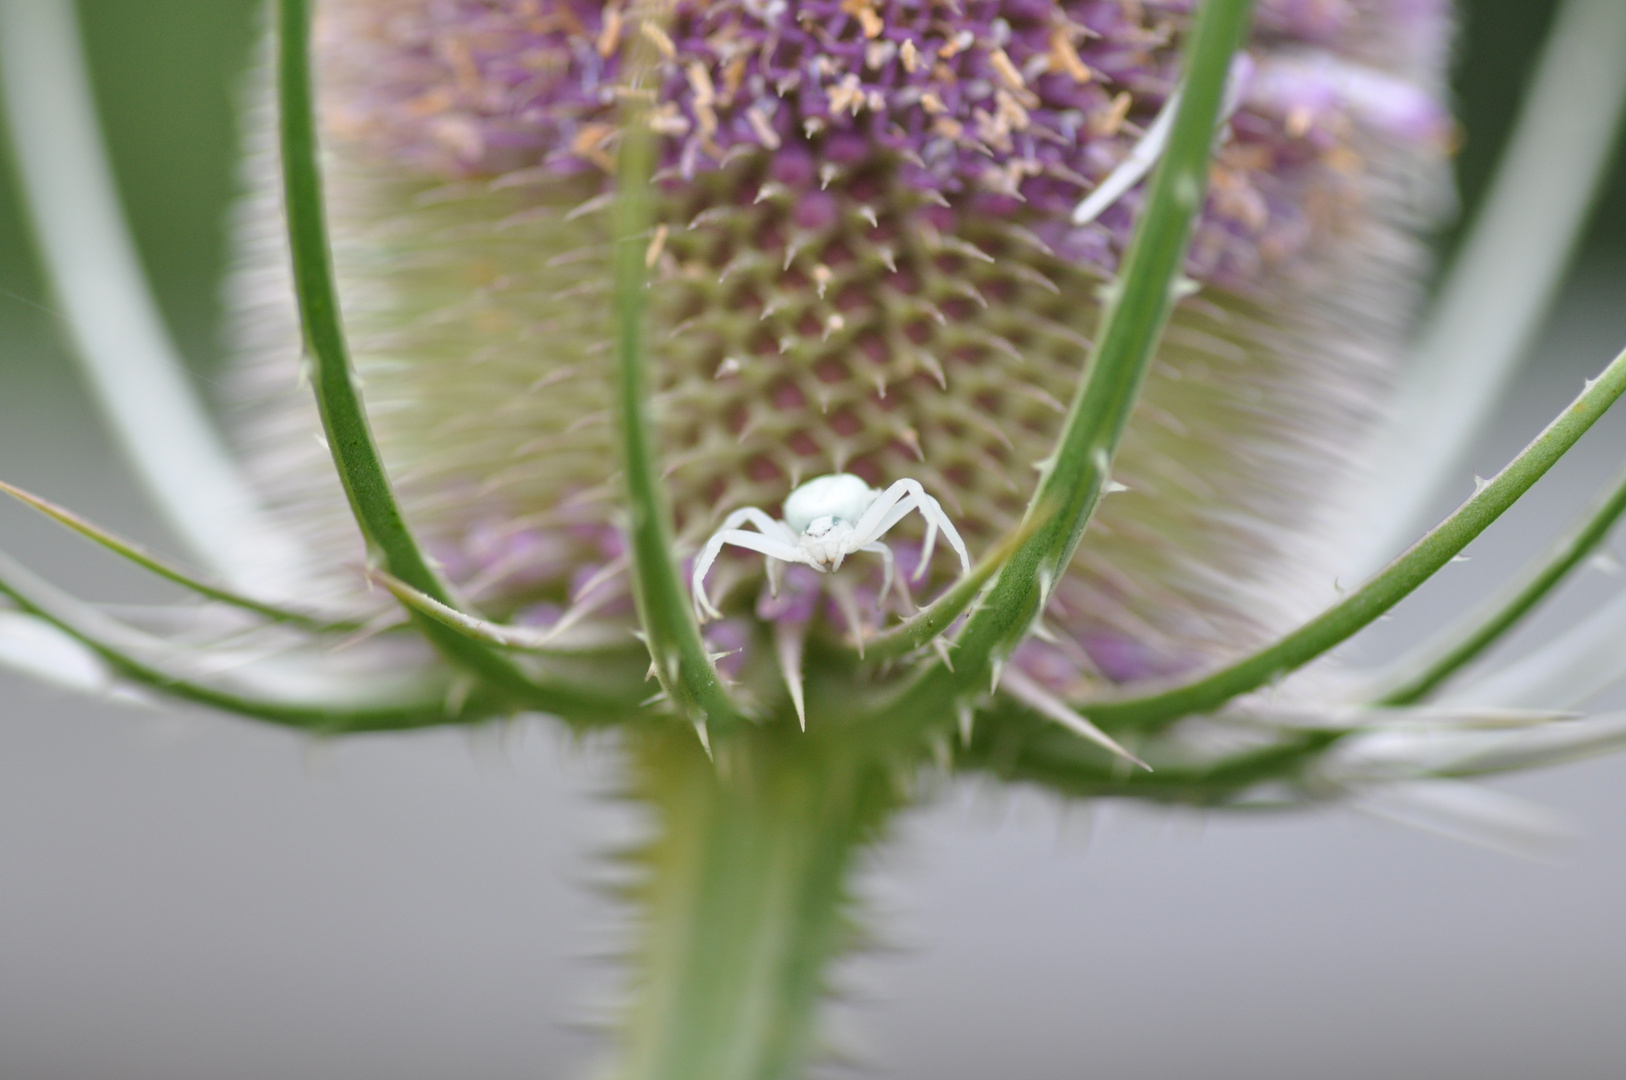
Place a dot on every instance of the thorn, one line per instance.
(705, 740)
(941, 647)
(457, 694)
(657, 244)
(1046, 704)
(967, 717)
(1480, 483)
(654, 699)
(1460, 558)
(1047, 581)
(929, 362)
(788, 638)
(996, 670)
(592, 206)
(1605, 562)
(1112, 487)
(652, 673)
(1184, 287)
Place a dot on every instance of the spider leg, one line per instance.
(770, 527)
(870, 525)
(773, 533)
(886, 570)
(932, 511)
(896, 503)
(913, 497)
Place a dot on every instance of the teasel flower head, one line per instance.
(865, 260)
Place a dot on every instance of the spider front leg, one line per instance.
(775, 541)
(893, 505)
(932, 511)
(886, 570)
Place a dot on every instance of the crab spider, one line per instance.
(827, 519)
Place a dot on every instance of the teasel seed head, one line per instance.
(866, 261)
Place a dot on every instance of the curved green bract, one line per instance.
(664, 608)
(169, 572)
(1480, 630)
(110, 640)
(1023, 747)
(350, 439)
(1363, 606)
(1138, 307)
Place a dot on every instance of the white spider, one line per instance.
(827, 519)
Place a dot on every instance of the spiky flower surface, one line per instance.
(866, 263)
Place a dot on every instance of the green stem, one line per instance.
(664, 608)
(1138, 307)
(153, 564)
(1484, 628)
(1363, 606)
(350, 439)
(388, 709)
(745, 896)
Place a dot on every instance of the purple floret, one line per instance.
(1012, 108)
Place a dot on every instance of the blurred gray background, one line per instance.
(185, 895)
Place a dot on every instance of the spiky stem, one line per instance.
(390, 542)
(1397, 581)
(744, 897)
(1138, 307)
(1422, 674)
(675, 645)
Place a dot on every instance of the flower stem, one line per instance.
(1484, 628)
(744, 897)
(338, 397)
(1397, 581)
(1138, 306)
(679, 654)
